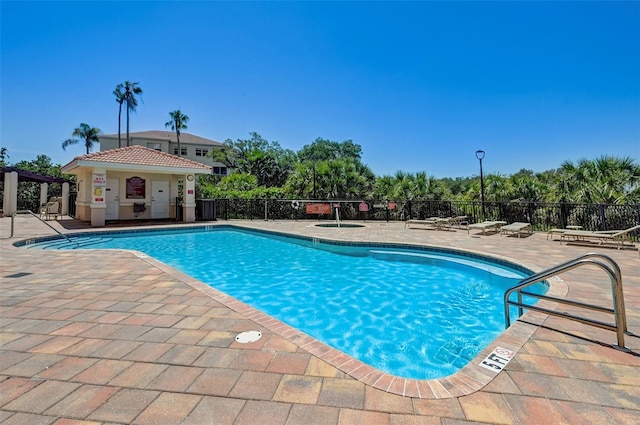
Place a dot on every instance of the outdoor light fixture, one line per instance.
(480, 156)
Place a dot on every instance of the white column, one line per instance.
(64, 210)
(44, 188)
(10, 198)
(189, 202)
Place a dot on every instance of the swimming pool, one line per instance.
(415, 313)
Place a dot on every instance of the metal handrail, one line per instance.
(39, 218)
(611, 268)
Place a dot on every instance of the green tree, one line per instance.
(604, 180)
(383, 188)
(268, 161)
(326, 150)
(4, 155)
(526, 186)
(86, 132)
(344, 178)
(120, 95)
(131, 94)
(178, 122)
(334, 169)
(407, 186)
(238, 181)
(237, 186)
(458, 186)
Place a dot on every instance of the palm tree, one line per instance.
(131, 90)
(604, 180)
(120, 98)
(86, 132)
(178, 122)
(3, 156)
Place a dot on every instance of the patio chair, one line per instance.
(50, 209)
(515, 228)
(614, 236)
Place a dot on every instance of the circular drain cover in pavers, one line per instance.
(248, 337)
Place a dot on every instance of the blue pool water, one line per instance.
(414, 313)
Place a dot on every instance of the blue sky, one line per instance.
(419, 85)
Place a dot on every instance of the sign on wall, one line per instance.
(99, 179)
(99, 185)
(318, 208)
(136, 188)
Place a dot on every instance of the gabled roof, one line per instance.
(136, 157)
(165, 136)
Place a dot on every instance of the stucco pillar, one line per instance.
(44, 188)
(189, 202)
(98, 193)
(64, 209)
(10, 198)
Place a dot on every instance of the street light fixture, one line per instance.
(480, 156)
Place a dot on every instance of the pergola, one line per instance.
(13, 176)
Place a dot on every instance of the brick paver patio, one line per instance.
(91, 337)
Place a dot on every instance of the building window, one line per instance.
(220, 171)
(201, 152)
(183, 151)
(155, 146)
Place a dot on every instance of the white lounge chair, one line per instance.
(486, 225)
(461, 221)
(429, 223)
(515, 228)
(615, 236)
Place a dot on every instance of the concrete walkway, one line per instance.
(113, 337)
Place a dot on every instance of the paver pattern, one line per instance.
(90, 337)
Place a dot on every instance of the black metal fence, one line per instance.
(542, 216)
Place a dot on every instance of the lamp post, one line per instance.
(480, 156)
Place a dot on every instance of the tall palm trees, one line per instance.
(604, 180)
(126, 92)
(178, 122)
(86, 132)
(120, 98)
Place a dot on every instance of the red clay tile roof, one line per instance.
(169, 136)
(140, 155)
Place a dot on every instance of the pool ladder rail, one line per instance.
(605, 263)
(39, 218)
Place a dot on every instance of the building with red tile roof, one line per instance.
(134, 182)
(192, 147)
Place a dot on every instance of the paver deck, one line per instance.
(113, 337)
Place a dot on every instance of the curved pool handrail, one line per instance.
(610, 267)
(39, 218)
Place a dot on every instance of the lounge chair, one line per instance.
(562, 232)
(615, 236)
(515, 228)
(486, 225)
(429, 223)
(461, 221)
